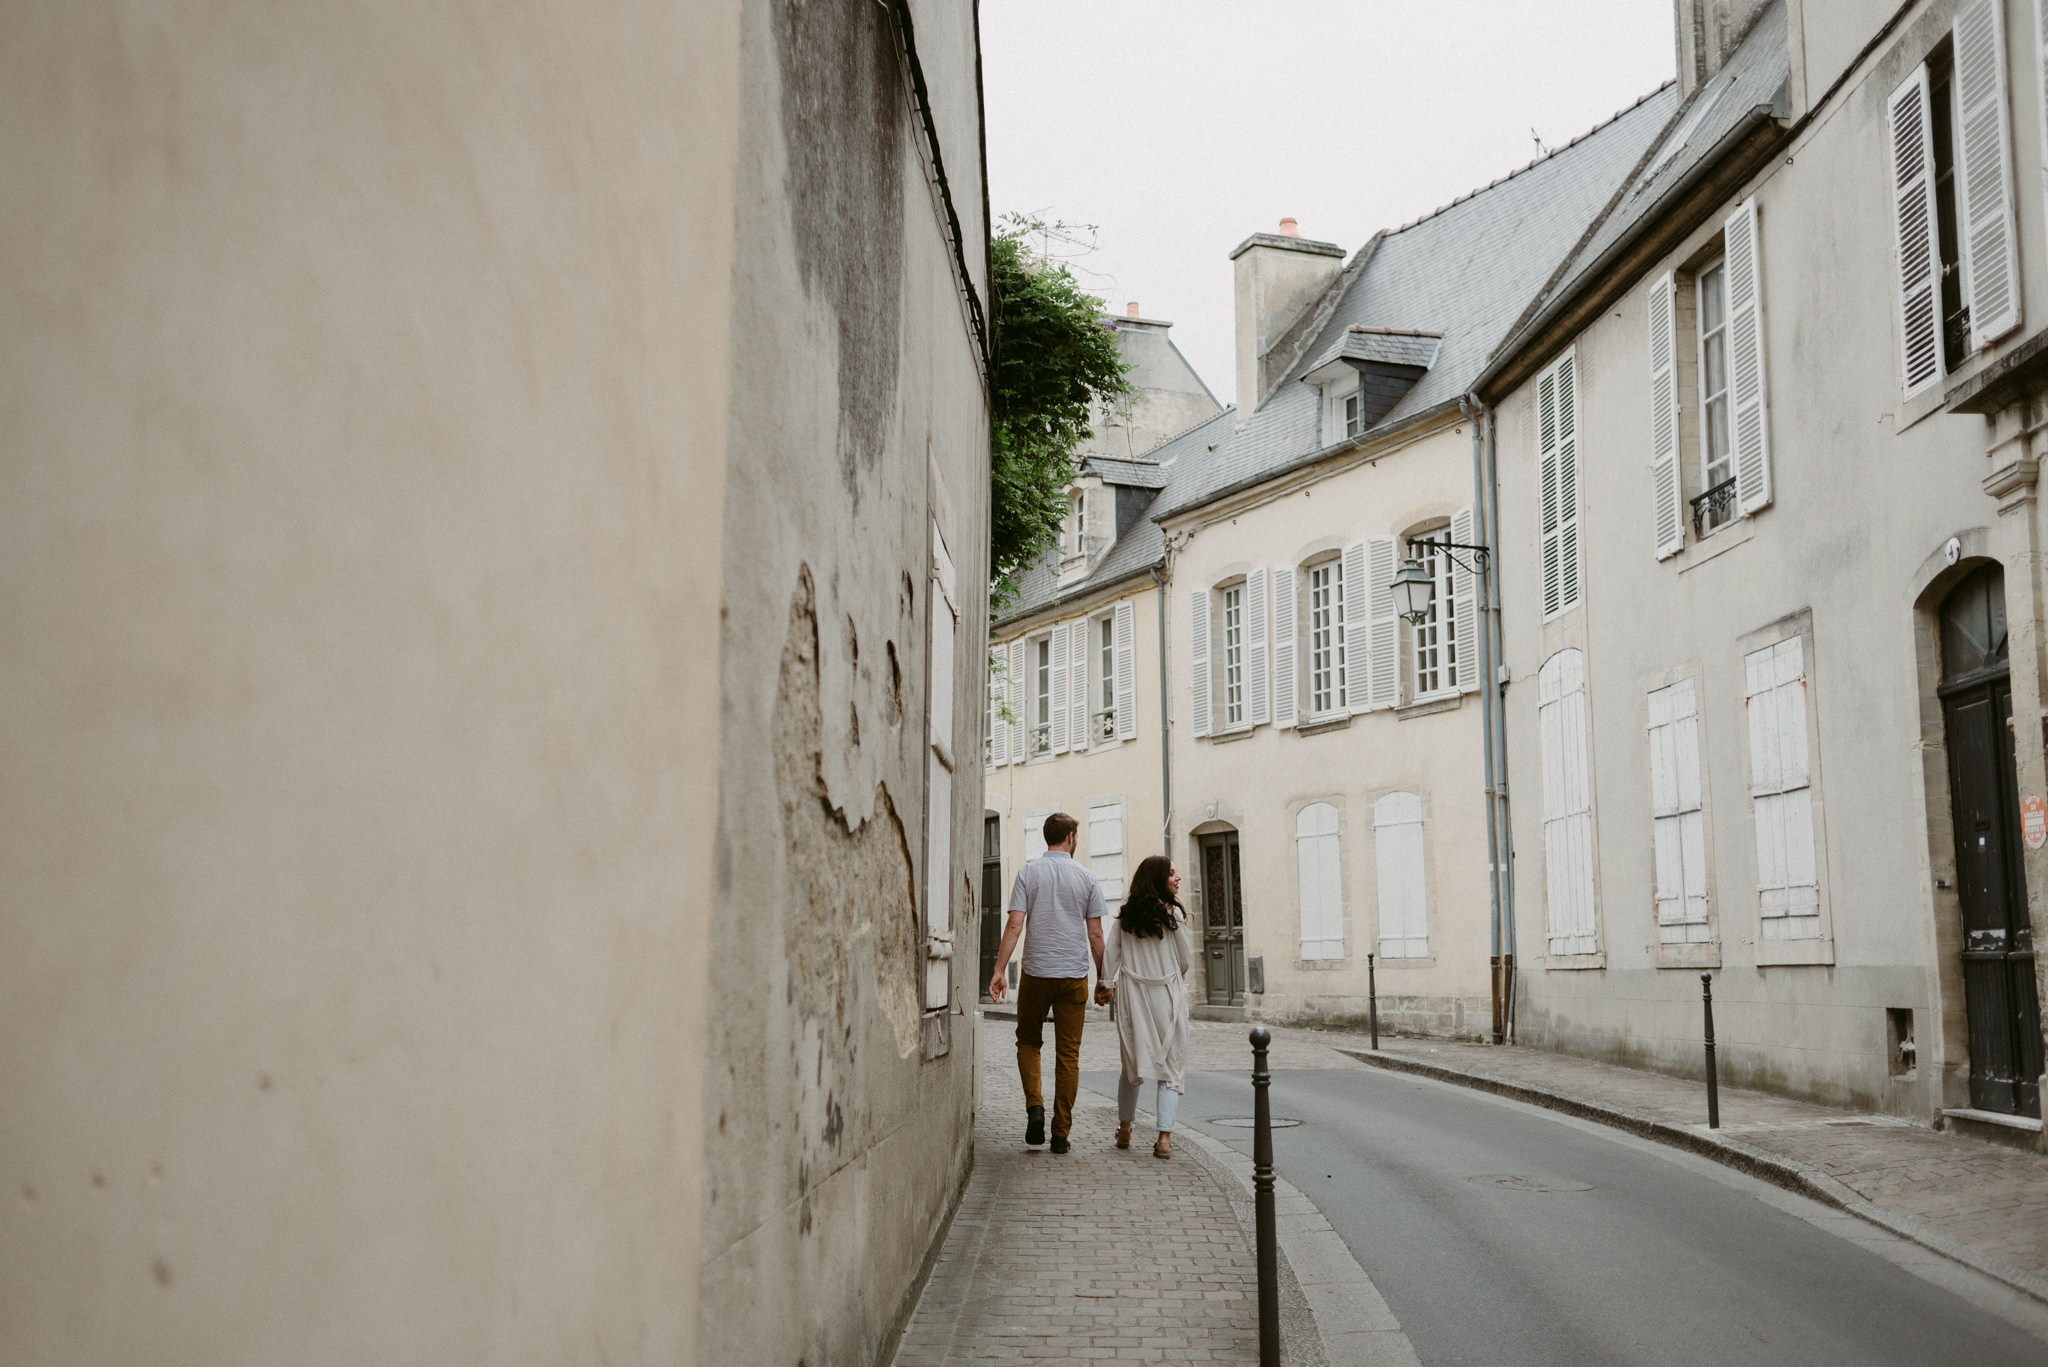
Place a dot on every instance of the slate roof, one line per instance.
(1393, 346)
(1754, 77)
(1132, 474)
(1466, 272)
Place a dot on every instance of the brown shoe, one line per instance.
(1123, 1136)
(1164, 1147)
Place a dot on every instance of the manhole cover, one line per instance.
(1520, 1181)
(1240, 1122)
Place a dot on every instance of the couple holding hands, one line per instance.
(1141, 963)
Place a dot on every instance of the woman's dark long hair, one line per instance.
(1150, 909)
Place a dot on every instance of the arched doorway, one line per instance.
(1998, 948)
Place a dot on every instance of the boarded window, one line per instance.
(1320, 882)
(1567, 804)
(1397, 851)
(1106, 849)
(1678, 824)
(1788, 889)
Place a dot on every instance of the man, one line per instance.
(1063, 904)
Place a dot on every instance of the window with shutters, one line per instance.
(1677, 817)
(1950, 133)
(1319, 881)
(1041, 694)
(1102, 680)
(1233, 642)
(1326, 696)
(1781, 795)
(1568, 877)
(1433, 642)
(1397, 851)
(1343, 410)
(1717, 451)
(1557, 495)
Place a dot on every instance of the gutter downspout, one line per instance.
(1165, 746)
(1493, 727)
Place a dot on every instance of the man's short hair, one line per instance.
(1058, 827)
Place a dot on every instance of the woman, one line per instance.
(1145, 960)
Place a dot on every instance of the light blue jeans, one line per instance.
(1127, 1103)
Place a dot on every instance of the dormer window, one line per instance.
(1071, 542)
(1353, 417)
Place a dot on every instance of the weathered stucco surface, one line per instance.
(366, 376)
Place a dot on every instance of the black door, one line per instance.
(1223, 920)
(1998, 942)
(991, 897)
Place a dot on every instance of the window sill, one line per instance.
(1558, 963)
(1225, 737)
(1318, 725)
(1717, 542)
(1321, 965)
(1691, 954)
(1407, 961)
(1795, 953)
(1429, 704)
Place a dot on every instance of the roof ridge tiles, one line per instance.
(1607, 122)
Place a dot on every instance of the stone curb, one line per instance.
(1351, 1318)
(1781, 1172)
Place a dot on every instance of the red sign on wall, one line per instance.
(2034, 821)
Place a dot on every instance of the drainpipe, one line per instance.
(1493, 728)
(1165, 749)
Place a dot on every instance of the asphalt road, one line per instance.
(1501, 1234)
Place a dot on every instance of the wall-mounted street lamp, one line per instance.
(1414, 587)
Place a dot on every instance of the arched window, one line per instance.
(1321, 882)
(1567, 804)
(1397, 850)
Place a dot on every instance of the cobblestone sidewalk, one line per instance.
(1097, 1254)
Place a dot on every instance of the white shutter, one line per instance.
(1258, 695)
(1788, 893)
(1667, 517)
(1678, 824)
(1126, 673)
(938, 901)
(1286, 677)
(1464, 605)
(1020, 730)
(1749, 412)
(1198, 658)
(1397, 850)
(1106, 849)
(1354, 634)
(1919, 255)
(1567, 804)
(1558, 477)
(1059, 693)
(1320, 877)
(1034, 831)
(1385, 669)
(998, 749)
(1080, 666)
(1984, 198)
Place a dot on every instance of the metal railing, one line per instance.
(1714, 507)
(1105, 726)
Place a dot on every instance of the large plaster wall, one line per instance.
(366, 376)
(837, 1116)
(1256, 783)
(1868, 489)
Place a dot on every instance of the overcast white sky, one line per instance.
(1180, 127)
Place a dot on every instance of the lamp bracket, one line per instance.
(1479, 553)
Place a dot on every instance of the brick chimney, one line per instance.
(1278, 274)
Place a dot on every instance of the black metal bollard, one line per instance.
(1372, 1001)
(1262, 1202)
(1713, 1079)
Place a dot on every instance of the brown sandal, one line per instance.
(1123, 1136)
(1164, 1147)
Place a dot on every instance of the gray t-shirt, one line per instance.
(1058, 898)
